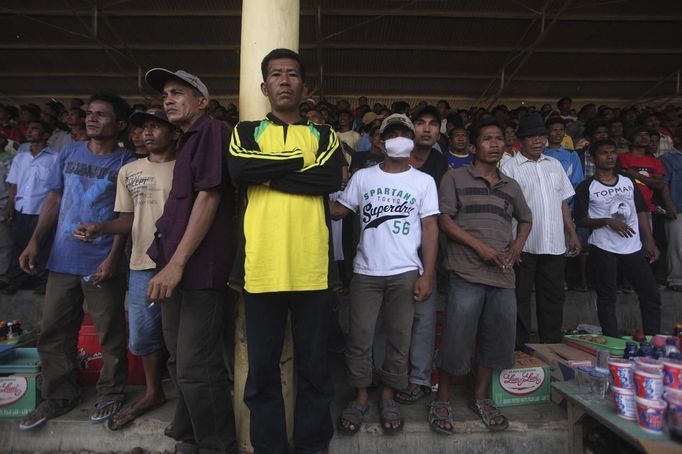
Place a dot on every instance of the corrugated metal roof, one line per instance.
(616, 49)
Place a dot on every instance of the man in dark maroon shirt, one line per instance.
(193, 251)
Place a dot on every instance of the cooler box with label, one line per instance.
(19, 375)
(526, 383)
(90, 356)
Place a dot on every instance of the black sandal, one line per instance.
(354, 414)
(389, 411)
(412, 395)
(105, 410)
(485, 408)
(435, 418)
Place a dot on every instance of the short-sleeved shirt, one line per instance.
(29, 173)
(621, 200)
(455, 160)
(570, 161)
(390, 207)
(545, 187)
(486, 213)
(200, 165)
(87, 183)
(648, 166)
(143, 187)
(435, 165)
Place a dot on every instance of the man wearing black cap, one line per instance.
(141, 193)
(193, 249)
(546, 189)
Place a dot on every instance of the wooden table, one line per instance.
(604, 412)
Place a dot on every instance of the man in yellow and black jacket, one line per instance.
(285, 167)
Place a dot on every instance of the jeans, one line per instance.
(478, 312)
(635, 268)
(266, 320)
(193, 326)
(58, 341)
(144, 322)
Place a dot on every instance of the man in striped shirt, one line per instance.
(546, 189)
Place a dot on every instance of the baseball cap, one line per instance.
(155, 113)
(157, 78)
(396, 120)
(426, 110)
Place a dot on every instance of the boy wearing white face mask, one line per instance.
(397, 205)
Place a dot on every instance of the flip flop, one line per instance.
(105, 410)
(130, 413)
(353, 413)
(412, 395)
(389, 411)
(485, 408)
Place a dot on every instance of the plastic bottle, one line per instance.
(670, 347)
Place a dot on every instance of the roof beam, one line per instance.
(341, 46)
(342, 75)
(451, 13)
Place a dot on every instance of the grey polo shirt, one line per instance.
(485, 212)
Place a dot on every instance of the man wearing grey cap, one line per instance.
(193, 251)
(141, 193)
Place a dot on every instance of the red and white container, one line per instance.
(651, 414)
(625, 403)
(648, 364)
(621, 373)
(648, 384)
(672, 373)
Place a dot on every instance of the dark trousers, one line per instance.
(266, 320)
(194, 322)
(23, 226)
(635, 268)
(546, 272)
(58, 341)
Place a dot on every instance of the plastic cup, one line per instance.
(648, 385)
(672, 373)
(621, 373)
(648, 364)
(625, 403)
(651, 414)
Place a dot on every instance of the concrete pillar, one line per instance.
(266, 25)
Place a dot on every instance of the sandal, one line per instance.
(105, 410)
(412, 394)
(353, 413)
(435, 418)
(485, 408)
(389, 411)
(47, 409)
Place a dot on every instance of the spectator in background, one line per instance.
(616, 132)
(569, 159)
(644, 169)
(83, 187)
(546, 189)
(59, 136)
(314, 116)
(672, 162)
(595, 129)
(5, 232)
(564, 106)
(27, 113)
(8, 149)
(372, 157)
(136, 138)
(11, 131)
(75, 121)
(650, 120)
(459, 154)
(28, 189)
(346, 135)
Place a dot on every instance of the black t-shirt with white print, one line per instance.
(621, 200)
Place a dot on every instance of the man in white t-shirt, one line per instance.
(613, 207)
(141, 193)
(397, 206)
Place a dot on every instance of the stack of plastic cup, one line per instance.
(648, 380)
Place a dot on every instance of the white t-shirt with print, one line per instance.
(390, 207)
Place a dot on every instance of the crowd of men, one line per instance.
(388, 205)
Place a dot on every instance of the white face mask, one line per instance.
(399, 147)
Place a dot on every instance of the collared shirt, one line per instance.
(29, 173)
(486, 212)
(545, 186)
(672, 161)
(200, 165)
